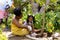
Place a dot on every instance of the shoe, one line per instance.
(33, 34)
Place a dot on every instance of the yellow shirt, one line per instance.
(18, 31)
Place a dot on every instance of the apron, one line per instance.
(18, 31)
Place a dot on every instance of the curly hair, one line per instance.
(32, 18)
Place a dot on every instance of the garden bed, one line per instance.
(8, 34)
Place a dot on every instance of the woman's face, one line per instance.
(20, 16)
(30, 19)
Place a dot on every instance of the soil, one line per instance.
(25, 38)
(18, 38)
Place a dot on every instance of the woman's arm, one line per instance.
(32, 28)
(18, 24)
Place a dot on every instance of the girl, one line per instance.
(30, 21)
(30, 24)
(17, 26)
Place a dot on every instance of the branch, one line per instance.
(43, 6)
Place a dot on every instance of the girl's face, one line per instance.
(30, 19)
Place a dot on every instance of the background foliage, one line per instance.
(52, 18)
(52, 14)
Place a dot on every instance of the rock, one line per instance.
(45, 35)
(58, 38)
(42, 39)
(50, 38)
(56, 34)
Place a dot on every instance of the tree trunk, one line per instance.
(34, 6)
(42, 10)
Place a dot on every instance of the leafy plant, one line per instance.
(2, 36)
